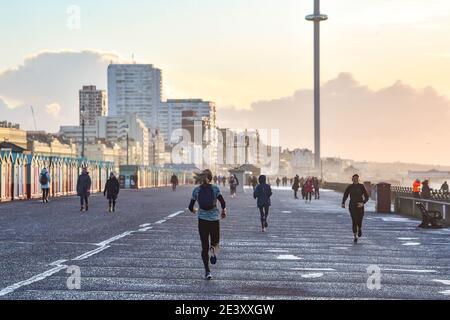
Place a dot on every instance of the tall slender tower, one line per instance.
(317, 18)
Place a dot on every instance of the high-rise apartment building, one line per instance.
(93, 104)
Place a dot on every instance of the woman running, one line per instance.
(208, 217)
(358, 198)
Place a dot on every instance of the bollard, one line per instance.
(383, 198)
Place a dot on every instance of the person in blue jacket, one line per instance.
(262, 193)
(44, 180)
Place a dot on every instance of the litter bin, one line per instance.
(383, 198)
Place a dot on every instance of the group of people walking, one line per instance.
(309, 186)
(84, 183)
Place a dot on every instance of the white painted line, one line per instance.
(86, 255)
(145, 225)
(312, 275)
(160, 221)
(408, 239)
(288, 257)
(411, 270)
(313, 269)
(445, 293)
(446, 282)
(120, 236)
(277, 251)
(175, 214)
(33, 279)
(57, 263)
(286, 211)
(412, 244)
(145, 229)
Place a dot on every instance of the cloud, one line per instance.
(51, 78)
(53, 109)
(397, 122)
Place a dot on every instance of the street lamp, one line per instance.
(127, 130)
(83, 124)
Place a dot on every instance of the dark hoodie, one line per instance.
(263, 192)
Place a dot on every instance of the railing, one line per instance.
(407, 205)
(436, 195)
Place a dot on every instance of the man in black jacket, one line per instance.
(84, 188)
(358, 198)
(111, 191)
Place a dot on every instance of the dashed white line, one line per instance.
(446, 282)
(313, 269)
(411, 270)
(88, 254)
(160, 221)
(145, 229)
(33, 279)
(120, 236)
(145, 225)
(175, 214)
(288, 257)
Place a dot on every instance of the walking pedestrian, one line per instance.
(224, 181)
(111, 191)
(278, 181)
(233, 186)
(262, 193)
(83, 189)
(309, 189)
(358, 198)
(316, 188)
(296, 186)
(45, 180)
(416, 188)
(426, 191)
(208, 218)
(174, 181)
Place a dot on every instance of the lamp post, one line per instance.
(128, 144)
(83, 124)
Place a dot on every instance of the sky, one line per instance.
(251, 55)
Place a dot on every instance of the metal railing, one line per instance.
(408, 205)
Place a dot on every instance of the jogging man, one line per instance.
(358, 198)
(208, 217)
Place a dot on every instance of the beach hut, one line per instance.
(5, 175)
(19, 176)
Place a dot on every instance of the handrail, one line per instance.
(424, 200)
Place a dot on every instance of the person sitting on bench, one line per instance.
(430, 217)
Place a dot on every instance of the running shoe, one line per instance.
(213, 258)
(359, 233)
(208, 276)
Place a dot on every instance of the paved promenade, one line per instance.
(150, 249)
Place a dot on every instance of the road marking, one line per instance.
(33, 279)
(313, 275)
(145, 225)
(145, 229)
(445, 293)
(57, 263)
(446, 282)
(412, 244)
(411, 270)
(286, 211)
(288, 257)
(277, 251)
(88, 254)
(175, 214)
(120, 236)
(408, 239)
(313, 269)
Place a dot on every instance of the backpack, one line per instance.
(206, 199)
(44, 179)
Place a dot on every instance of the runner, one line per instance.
(358, 198)
(208, 217)
(262, 193)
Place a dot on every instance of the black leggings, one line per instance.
(206, 230)
(264, 211)
(357, 215)
(45, 194)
